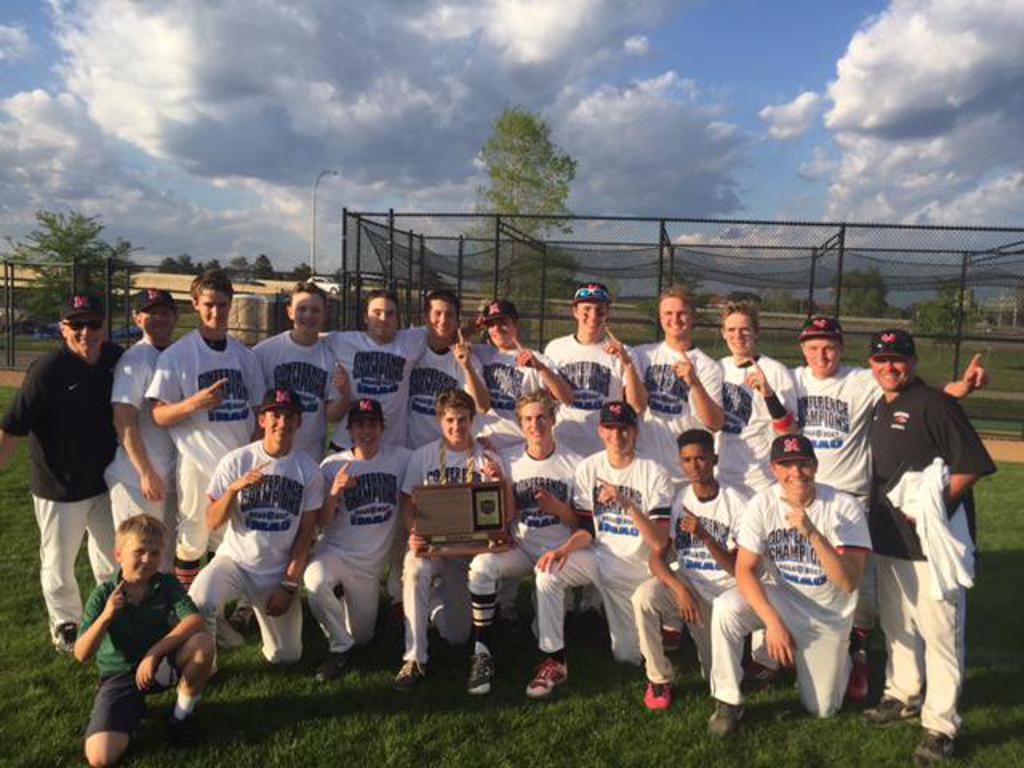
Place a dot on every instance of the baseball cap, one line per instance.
(498, 310)
(821, 327)
(787, 448)
(365, 408)
(596, 292)
(81, 305)
(893, 342)
(280, 399)
(149, 298)
(617, 413)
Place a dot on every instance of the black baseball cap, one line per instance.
(499, 309)
(696, 437)
(82, 305)
(618, 413)
(365, 408)
(595, 292)
(893, 342)
(149, 298)
(821, 327)
(280, 399)
(792, 448)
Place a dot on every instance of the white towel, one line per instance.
(946, 542)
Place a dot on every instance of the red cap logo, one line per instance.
(820, 322)
(80, 302)
(889, 338)
(152, 294)
(282, 396)
(791, 445)
(615, 408)
(365, 405)
(494, 308)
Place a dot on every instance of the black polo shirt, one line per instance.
(918, 425)
(64, 408)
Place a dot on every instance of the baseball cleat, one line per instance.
(481, 674)
(658, 696)
(409, 676)
(549, 674)
(933, 748)
(182, 733)
(334, 666)
(890, 710)
(64, 637)
(725, 719)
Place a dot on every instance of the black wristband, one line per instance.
(775, 407)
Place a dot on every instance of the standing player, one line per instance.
(684, 385)
(758, 398)
(542, 476)
(360, 520)
(912, 425)
(141, 476)
(598, 367)
(203, 386)
(812, 540)
(301, 361)
(268, 496)
(63, 407)
(628, 500)
(511, 371)
(705, 516)
(446, 363)
(453, 458)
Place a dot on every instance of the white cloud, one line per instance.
(819, 166)
(14, 43)
(790, 120)
(637, 45)
(928, 114)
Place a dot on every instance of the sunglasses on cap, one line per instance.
(81, 325)
(592, 293)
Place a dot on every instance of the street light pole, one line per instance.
(312, 242)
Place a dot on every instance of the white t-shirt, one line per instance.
(189, 365)
(720, 517)
(746, 438)
(425, 465)
(368, 514)
(432, 375)
(132, 375)
(789, 557)
(596, 378)
(381, 372)
(307, 371)
(535, 530)
(506, 382)
(266, 516)
(618, 544)
(669, 412)
(835, 414)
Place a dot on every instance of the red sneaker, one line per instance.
(859, 684)
(549, 674)
(658, 696)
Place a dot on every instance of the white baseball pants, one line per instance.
(351, 620)
(418, 574)
(654, 606)
(127, 501)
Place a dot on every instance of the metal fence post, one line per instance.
(390, 283)
(9, 307)
(497, 252)
(357, 309)
(810, 287)
(543, 293)
(108, 287)
(408, 275)
(74, 275)
(960, 315)
(839, 269)
(344, 268)
(127, 296)
(662, 238)
(458, 268)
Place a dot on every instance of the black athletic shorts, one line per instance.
(119, 705)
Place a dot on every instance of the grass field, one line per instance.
(255, 715)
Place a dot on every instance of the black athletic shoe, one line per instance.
(334, 666)
(481, 673)
(182, 733)
(725, 719)
(409, 676)
(64, 637)
(890, 710)
(933, 748)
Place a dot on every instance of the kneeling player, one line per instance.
(705, 515)
(360, 519)
(814, 541)
(269, 496)
(628, 499)
(542, 476)
(453, 459)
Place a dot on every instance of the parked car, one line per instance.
(328, 284)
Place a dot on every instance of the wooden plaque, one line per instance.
(460, 520)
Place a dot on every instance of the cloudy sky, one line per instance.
(199, 127)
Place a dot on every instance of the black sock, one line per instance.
(483, 617)
(558, 655)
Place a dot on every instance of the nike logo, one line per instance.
(72, 387)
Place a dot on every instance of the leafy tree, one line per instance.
(262, 269)
(71, 258)
(864, 293)
(239, 268)
(182, 265)
(206, 266)
(781, 300)
(301, 273)
(938, 316)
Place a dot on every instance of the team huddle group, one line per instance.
(755, 506)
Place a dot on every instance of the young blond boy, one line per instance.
(146, 634)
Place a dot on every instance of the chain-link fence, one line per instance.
(959, 289)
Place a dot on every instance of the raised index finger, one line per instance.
(610, 335)
(461, 340)
(219, 384)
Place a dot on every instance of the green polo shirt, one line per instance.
(137, 628)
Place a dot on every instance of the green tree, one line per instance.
(262, 269)
(938, 316)
(70, 257)
(181, 265)
(864, 293)
(239, 268)
(301, 273)
(527, 173)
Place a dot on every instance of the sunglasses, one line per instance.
(81, 325)
(597, 293)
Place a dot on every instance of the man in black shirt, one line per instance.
(912, 425)
(63, 407)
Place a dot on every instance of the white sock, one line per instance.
(479, 647)
(185, 704)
